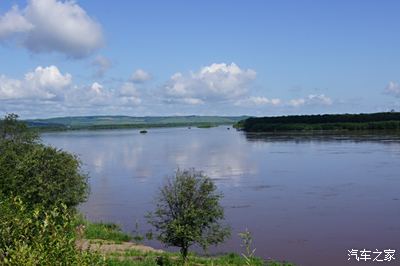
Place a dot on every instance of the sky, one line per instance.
(143, 58)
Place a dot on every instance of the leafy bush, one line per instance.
(188, 212)
(39, 236)
(36, 173)
(39, 188)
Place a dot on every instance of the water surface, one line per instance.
(306, 199)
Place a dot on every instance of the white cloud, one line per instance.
(311, 99)
(393, 88)
(13, 22)
(42, 83)
(215, 89)
(98, 95)
(53, 26)
(96, 88)
(101, 64)
(211, 83)
(140, 76)
(258, 101)
(129, 94)
(192, 101)
(51, 91)
(297, 102)
(10, 88)
(88, 96)
(128, 89)
(48, 77)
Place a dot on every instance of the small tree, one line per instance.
(188, 212)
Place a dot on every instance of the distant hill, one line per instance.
(373, 121)
(109, 122)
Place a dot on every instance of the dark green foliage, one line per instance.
(207, 126)
(39, 236)
(36, 173)
(188, 212)
(375, 121)
(46, 176)
(39, 188)
(15, 131)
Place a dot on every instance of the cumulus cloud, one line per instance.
(311, 99)
(129, 94)
(101, 64)
(214, 89)
(211, 83)
(140, 76)
(97, 95)
(47, 90)
(393, 88)
(13, 22)
(192, 101)
(42, 83)
(52, 26)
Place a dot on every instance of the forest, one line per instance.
(372, 121)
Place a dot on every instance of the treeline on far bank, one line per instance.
(337, 122)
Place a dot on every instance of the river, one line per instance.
(306, 199)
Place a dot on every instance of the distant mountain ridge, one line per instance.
(119, 121)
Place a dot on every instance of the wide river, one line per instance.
(306, 199)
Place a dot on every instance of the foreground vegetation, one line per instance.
(41, 186)
(348, 122)
(120, 253)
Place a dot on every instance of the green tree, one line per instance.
(49, 176)
(16, 131)
(36, 173)
(188, 211)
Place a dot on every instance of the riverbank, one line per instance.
(117, 249)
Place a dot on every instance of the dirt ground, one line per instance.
(107, 247)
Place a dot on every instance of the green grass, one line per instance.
(135, 257)
(105, 231)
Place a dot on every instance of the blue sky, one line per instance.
(84, 57)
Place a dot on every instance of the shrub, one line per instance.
(39, 236)
(36, 173)
(188, 212)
